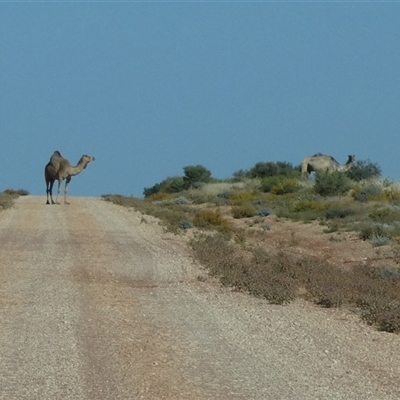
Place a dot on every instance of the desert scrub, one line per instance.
(389, 321)
(9, 195)
(160, 196)
(185, 225)
(207, 218)
(338, 213)
(371, 230)
(306, 205)
(289, 185)
(16, 193)
(264, 212)
(243, 211)
(367, 193)
(242, 197)
(6, 200)
(334, 184)
(181, 200)
(260, 276)
(379, 240)
(389, 273)
(279, 185)
(384, 215)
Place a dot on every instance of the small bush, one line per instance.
(9, 195)
(243, 211)
(306, 205)
(263, 212)
(333, 184)
(11, 192)
(265, 169)
(288, 185)
(160, 196)
(6, 201)
(363, 170)
(389, 321)
(382, 215)
(209, 218)
(16, 193)
(224, 195)
(181, 200)
(389, 274)
(185, 225)
(338, 213)
(242, 197)
(279, 184)
(365, 194)
(372, 230)
(379, 240)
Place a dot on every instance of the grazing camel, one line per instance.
(321, 162)
(58, 169)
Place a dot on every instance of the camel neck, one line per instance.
(77, 169)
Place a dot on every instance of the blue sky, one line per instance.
(151, 87)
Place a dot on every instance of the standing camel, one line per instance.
(321, 162)
(58, 169)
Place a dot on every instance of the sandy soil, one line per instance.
(97, 302)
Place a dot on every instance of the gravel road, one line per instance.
(97, 302)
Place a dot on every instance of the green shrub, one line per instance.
(389, 273)
(379, 240)
(264, 169)
(181, 200)
(338, 213)
(368, 193)
(173, 184)
(333, 184)
(264, 212)
(284, 186)
(195, 174)
(306, 205)
(279, 184)
(242, 197)
(382, 215)
(372, 230)
(363, 170)
(185, 224)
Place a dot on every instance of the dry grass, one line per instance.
(9, 195)
(280, 278)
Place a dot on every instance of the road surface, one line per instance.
(97, 302)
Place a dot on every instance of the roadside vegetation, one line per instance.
(358, 201)
(8, 196)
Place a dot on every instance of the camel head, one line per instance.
(351, 159)
(85, 160)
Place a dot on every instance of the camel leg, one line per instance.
(58, 191)
(68, 180)
(49, 192)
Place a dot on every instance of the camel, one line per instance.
(321, 162)
(58, 169)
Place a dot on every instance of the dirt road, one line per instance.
(96, 302)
